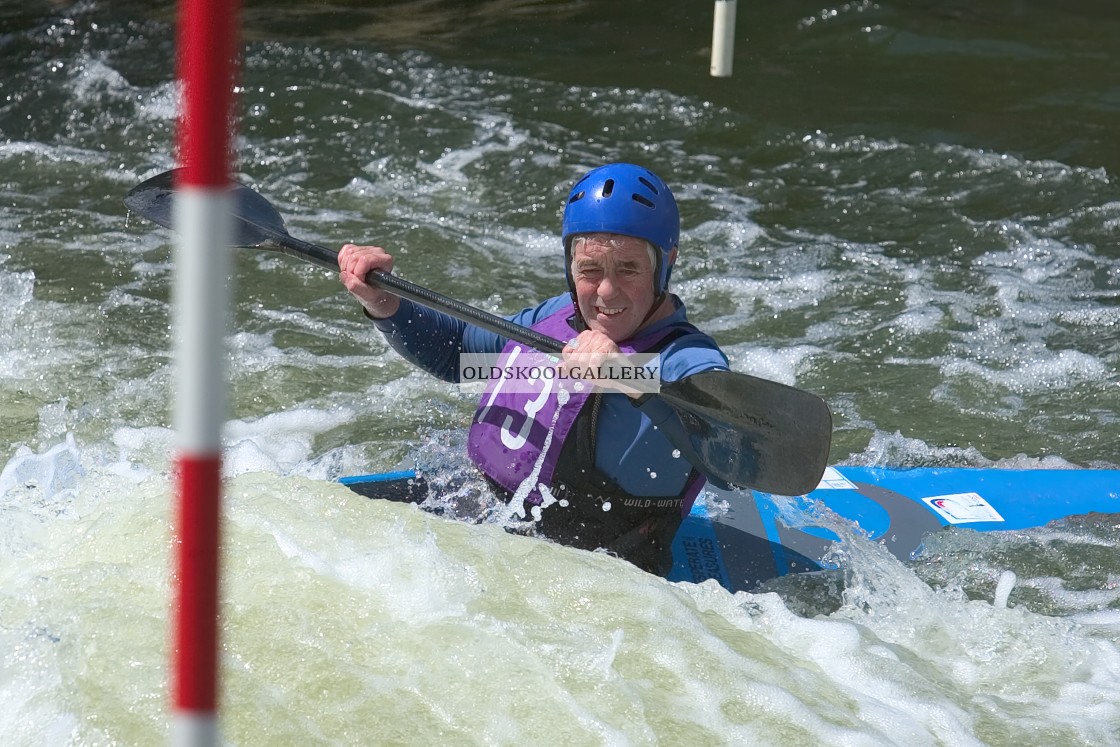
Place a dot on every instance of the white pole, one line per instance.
(723, 38)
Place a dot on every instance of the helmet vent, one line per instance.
(608, 187)
(576, 197)
(649, 185)
(642, 200)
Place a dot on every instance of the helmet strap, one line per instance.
(652, 309)
(579, 324)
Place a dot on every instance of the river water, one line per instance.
(909, 208)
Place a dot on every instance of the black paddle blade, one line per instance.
(256, 221)
(754, 433)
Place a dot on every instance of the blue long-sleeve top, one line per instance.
(644, 461)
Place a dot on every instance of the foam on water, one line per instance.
(956, 304)
(775, 364)
(1041, 371)
(1083, 547)
(345, 618)
(16, 290)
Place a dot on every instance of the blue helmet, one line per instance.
(629, 200)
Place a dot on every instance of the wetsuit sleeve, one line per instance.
(433, 340)
(425, 338)
(689, 355)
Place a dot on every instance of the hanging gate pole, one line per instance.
(206, 41)
(723, 38)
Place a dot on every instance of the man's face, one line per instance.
(613, 276)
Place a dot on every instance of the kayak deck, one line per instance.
(744, 542)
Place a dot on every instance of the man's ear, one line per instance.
(673, 256)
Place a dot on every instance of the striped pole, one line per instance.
(206, 47)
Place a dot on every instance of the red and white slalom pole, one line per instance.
(206, 50)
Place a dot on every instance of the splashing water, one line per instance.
(855, 222)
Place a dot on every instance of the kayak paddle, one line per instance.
(744, 431)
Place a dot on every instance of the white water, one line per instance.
(353, 621)
(955, 304)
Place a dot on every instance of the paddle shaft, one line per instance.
(736, 429)
(319, 255)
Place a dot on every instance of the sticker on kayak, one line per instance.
(833, 480)
(963, 508)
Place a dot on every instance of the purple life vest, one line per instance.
(516, 437)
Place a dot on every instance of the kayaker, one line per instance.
(591, 470)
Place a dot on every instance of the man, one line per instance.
(589, 469)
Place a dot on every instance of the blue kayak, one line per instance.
(744, 542)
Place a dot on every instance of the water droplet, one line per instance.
(606, 505)
(653, 475)
(676, 453)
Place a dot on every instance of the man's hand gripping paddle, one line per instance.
(743, 431)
